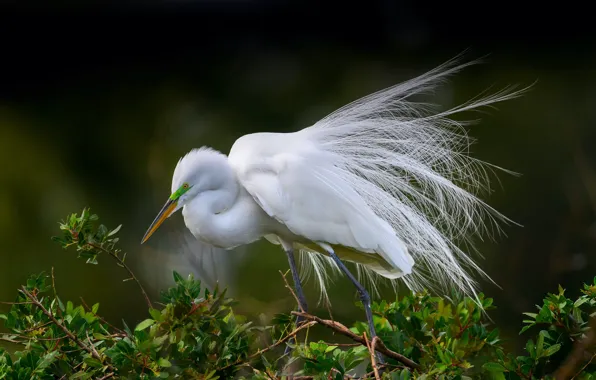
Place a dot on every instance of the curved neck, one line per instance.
(213, 215)
(218, 200)
(215, 202)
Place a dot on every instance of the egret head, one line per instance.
(198, 171)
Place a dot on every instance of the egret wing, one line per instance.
(304, 191)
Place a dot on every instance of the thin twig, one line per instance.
(107, 376)
(15, 303)
(381, 367)
(270, 375)
(371, 350)
(69, 334)
(339, 328)
(292, 340)
(34, 328)
(121, 262)
(11, 338)
(568, 369)
(291, 290)
(279, 342)
(344, 344)
(101, 318)
(584, 367)
(95, 353)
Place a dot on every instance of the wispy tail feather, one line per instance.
(412, 168)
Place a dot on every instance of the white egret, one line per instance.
(385, 183)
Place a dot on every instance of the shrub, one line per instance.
(195, 334)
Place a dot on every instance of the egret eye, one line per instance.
(185, 186)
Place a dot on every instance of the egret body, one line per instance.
(384, 183)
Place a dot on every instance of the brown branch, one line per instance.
(568, 369)
(121, 262)
(584, 367)
(69, 334)
(382, 366)
(11, 338)
(46, 324)
(291, 290)
(121, 332)
(344, 344)
(279, 342)
(91, 346)
(371, 349)
(341, 329)
(15, 303)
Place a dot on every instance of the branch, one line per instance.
(10, 338)
(69, 334)
(279, 342)
(121, 262)
(291, 290)
(567, 369)
(341, 329)
(371, 348)
(121, 332)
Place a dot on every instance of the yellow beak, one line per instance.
(166, 210)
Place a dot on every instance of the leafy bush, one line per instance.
(195, 334)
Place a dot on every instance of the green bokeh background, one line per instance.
(109, 136)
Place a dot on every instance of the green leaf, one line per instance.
(81, 375)
(551, 350)
(115, 230)
(177, 278)
(530, 348)
(47, 360)
(540, 343)
(162, 362)
(330, 348)
(92, 362)
(580, 301)
(143, 325)
(3, 316)
(493, 367)
(155, 314)
(95, 308)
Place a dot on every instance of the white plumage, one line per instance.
(384, 182)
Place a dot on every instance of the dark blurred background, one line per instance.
(98, 102)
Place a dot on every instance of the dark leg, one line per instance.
(296, 277)
(299, 291)
(364, 297)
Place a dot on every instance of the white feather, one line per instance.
(388, 177)
(411, 167)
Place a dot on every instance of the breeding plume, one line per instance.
(385, 183)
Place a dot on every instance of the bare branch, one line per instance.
(371, 349)
(568, 369)
(69, 334)
(291, 290)
(341, 329)
(121, 262)
(120, 331)
(279, 342)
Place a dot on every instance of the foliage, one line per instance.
(195, 334)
